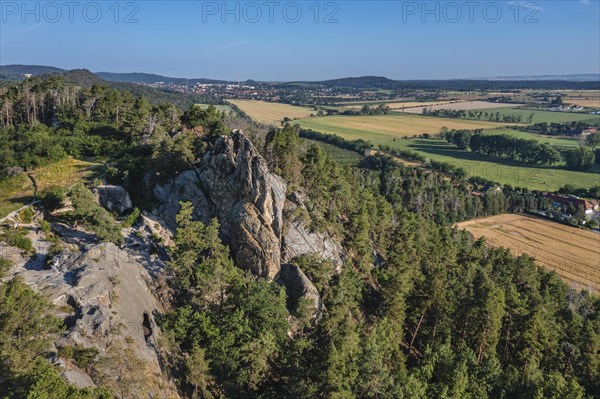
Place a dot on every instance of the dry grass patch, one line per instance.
(573, 253)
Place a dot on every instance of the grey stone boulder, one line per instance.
(299, 241)
(113, 198)
(298, 286)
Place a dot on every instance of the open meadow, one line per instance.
(573, 253)
(18, 191)
(511, 109)
(271, 113)
(220, 107)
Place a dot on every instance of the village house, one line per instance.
(589, 206)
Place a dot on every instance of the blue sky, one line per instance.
(397, 39)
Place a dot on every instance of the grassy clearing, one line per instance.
(341, 156)
(271, 113)
(501, 170)
(223, 108)
(64, 173)
(17, 191)
(573, 253)
(386, 127)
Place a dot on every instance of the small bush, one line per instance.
(53, 198)
(53, 250)
(17, 238)
(132, 218)
(45, 227)
(26, 215)
(82, 357)
(94, 217)
(5, 264)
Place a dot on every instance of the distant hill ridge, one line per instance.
(139, 77)
(573, 81)
(84, 77)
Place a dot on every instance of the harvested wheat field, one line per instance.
(584, 102)
(466, 105)
(271, 113)
(573, 253)
(383, 128)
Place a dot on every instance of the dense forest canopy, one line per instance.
(418, 310)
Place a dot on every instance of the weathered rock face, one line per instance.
(298, 241)
(104, 295)
(113, 198)
(299, 286)
(233, 183)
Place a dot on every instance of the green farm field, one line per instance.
(501, 170)
(547, 116)
(378, 130)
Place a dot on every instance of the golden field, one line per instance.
(573, 253)
(271, 113)
(584, 102)
(383, 128)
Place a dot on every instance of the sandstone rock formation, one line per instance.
(299, 286)
(104, 295)
(113, 198)
(233, 183)
(299, 241)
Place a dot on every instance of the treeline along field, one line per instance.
(546, 116)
